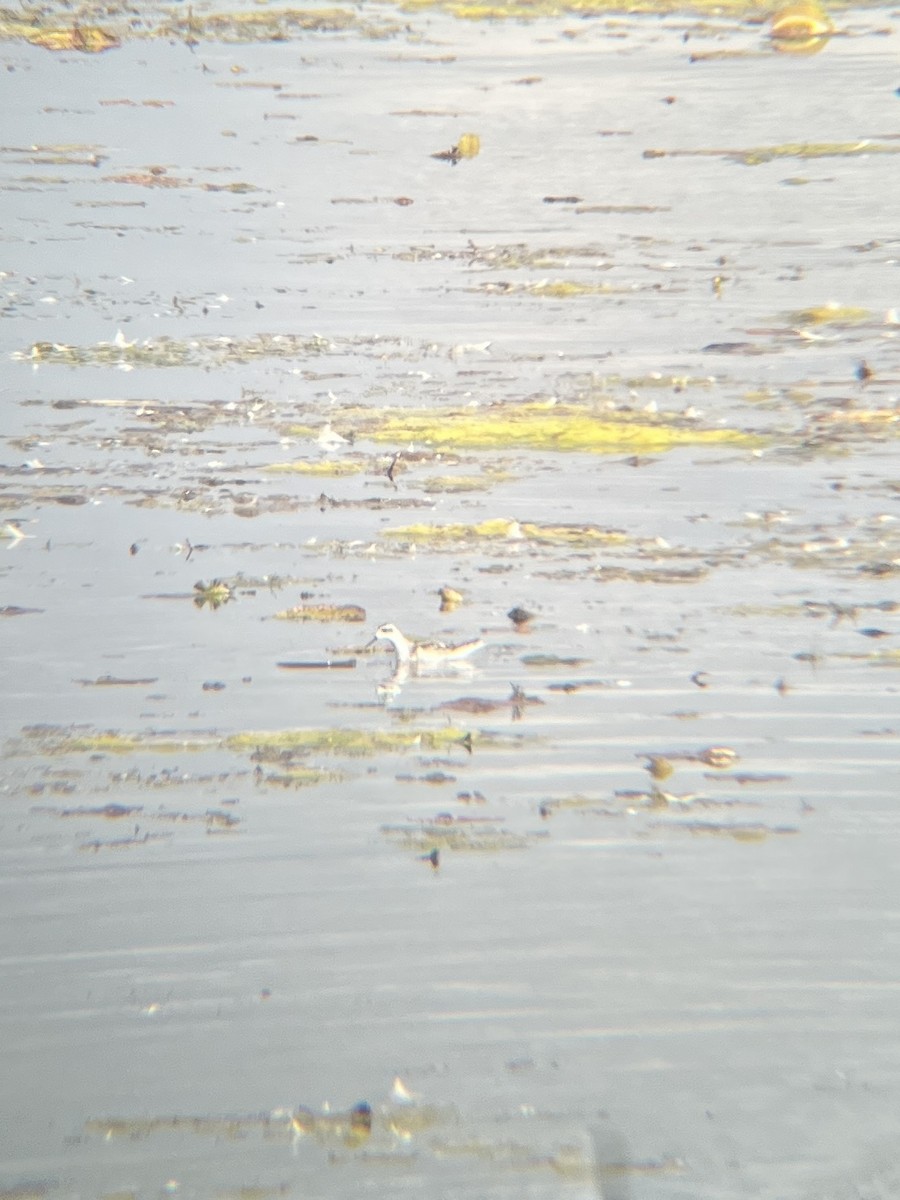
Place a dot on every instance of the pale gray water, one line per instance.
(604, 981)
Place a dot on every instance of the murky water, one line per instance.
(610, 907)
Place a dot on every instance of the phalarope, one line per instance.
(423, 654)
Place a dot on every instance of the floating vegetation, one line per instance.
(550, 449)
(212, 820)
(329, 664)
(356, 743)
(877, 658)
(274, 25)
(56, 739)
(451, 599)
(193, 27)
(158, 178)
(523, 10)
(116, 681)
(89, 39)
(337, 468)
(263, 746)
(457, 484)
(865, 420)
(230, 1128)
(802, 150)
(468, 146)
(570, 686)
(460, 834)
(110, 812)
(749, 832)
(350, 1128)
(552, 289)
(542, 426)
(322, 612)
(612, 574)
(516, 704)
(802, 28)
(300, 777)
(552, 661)
(212, 595)
(745, 777)
(172, 352)
(830, 314)
(503, 529)
(661, 766)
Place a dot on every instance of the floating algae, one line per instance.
(503, 529)
(327, 467)
(756, 832)
(173, 352)
(355, 743)
(56, 740)
(322, 612)
(89, 39)
(756, 155)
(460, 834)
(264, 746)
(830, 314)
(569, 427)
(212, 595)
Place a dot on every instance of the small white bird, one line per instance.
(423, 654)
(330, 439)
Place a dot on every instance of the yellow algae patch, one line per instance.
(804, 150)
(557, 427)
(573, 535)
(352, 742)
(327, 467)
(553, 289)
(496, 527)
(484, 11)
(562, 289)
(523, 10)
(808, 150)
(831, 314)
(502, 529)
(458, 483)
(265, 745)
(322, 612)
(88, 38)
(59, 741)
(212, 595)
(269, 25)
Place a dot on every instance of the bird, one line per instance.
(864, 372)
(423, 654)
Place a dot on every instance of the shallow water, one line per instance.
(217, 899)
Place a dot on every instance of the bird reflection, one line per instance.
(610, 1164)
